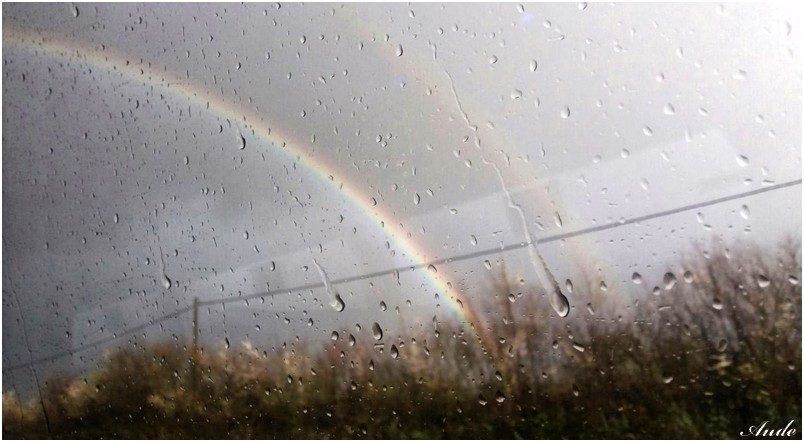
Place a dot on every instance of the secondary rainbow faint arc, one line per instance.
(114, 61)
(584, 253)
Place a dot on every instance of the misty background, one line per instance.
(123, 200)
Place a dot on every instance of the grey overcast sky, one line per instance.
(156, 153)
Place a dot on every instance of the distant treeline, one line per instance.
(716, 352)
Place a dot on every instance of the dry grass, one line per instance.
(718, 352)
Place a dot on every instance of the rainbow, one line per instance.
(582, 252)
(294, 149)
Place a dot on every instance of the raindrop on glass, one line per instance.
(688, 277)
(557, 219)
(376, 331)
(338, 303)
(669, 281)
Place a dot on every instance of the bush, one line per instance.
(718, 352)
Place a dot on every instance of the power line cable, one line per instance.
(398, 270)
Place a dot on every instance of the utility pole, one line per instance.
(194, 350)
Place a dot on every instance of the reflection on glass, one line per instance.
(401, 221)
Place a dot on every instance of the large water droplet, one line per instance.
(669, 281)
(560, 304)
(763, 281)
(636, 278)
(376, 331)
(338, 303)
(669, 109)
(533, 65)
(565, 112)
(744, 212)
(241, 142)
(399, 51)
(383, 306)
(499, 397)
(394, 352)
(742, 160)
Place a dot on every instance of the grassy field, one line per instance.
(717, 351)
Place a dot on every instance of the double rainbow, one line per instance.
(43, 44)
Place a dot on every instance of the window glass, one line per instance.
(401, 220)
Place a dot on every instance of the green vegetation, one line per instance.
(718, 350)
